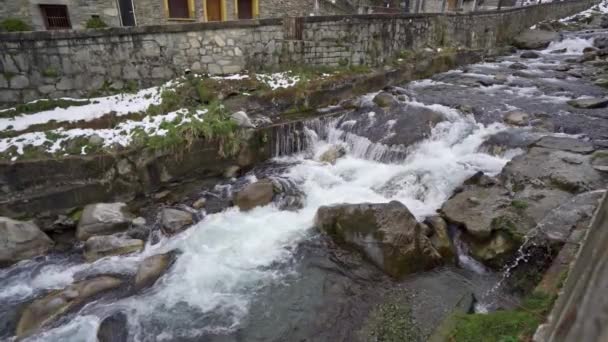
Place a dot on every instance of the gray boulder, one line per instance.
(152, 268)
(385, 99)
(242, 119)
(21, 240)
(103, 219)
(332, 154)
(529, 55)
(386, 233)
(534, 39)
(48, 308)
(440, 237)
(97, 247)
(255, 194)
(566, 144)
(517, 118)
(518, 66)
(175, 220)
(589, 103)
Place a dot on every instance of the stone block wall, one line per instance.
(70, 63)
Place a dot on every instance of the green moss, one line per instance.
(41, 105)
(502, 326)
(95, 23)
(14, 25)
(519, 204)
(50, 72)
(391, 322)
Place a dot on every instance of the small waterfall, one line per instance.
(465, 260)
(288, 138)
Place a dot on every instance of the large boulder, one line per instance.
(566, 144)
(174, 220)
(534, 39)
(152, 268)
(385, 99)
(589, 103)
(386, 233)
(440, 237)
(98, 247)
(103, 219)
(255, 194)
(46, 309)
(21, 240)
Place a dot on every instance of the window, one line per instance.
(179, 9)
(55, 17)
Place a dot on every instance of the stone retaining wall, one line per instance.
(75, 63)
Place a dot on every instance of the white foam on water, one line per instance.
(573, 45)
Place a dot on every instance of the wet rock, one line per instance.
(242, 120)
(575, 74)
(501, 78)
(152, 268)
(599, 160)
(545, 167)
(556, 51)
(589, 103)
(21, 240)
(95, 140)
(440, 237)
(113, 328)
(103, 219)
(517, 118)
(600, 42)
(602, 82)
(332, 154)
(351, 104)
(139, 221)
(231, 171)
(534, 39)
(199, 203)
(566, 144)
(46, 309)
(589, 49)
(162, 194)
(255, 194)
(500, 142)
(387, 233)
(562, 67)
(518, 66)
(385, 99)
(173, 220)
(529, 55)
(98, 247)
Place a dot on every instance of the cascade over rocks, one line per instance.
(255, 194)
(98, 247)
(174, 220)
(46, 309)
(386, 233)
(103, 219)
(21, 240)
(534, 39)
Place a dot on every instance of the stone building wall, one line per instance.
(52, 64)
(79, 11)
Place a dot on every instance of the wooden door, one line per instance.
(214, 10)
(245, 8)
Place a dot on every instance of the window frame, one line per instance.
(43, 12)
(191, 11)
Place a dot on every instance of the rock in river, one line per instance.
(534, 39)
(103, 219)
(174, 220)
(589, 103)
(44, 310)
(386, 233)
(332, 154)
(152, 268)
(517, 118)
(529, 55)
(98, 247)
(21, 240)
(255, 194)
(385, 99)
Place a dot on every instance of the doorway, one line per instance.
(214, 10)
(245, 9)
(126, 12)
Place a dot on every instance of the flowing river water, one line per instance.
(267, 275)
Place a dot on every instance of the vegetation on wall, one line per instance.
(95, 23)
(14, 25)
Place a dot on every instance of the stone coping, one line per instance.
(235, 24)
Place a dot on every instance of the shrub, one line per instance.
(14, 25)
(95, 23)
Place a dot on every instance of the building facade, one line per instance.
(74, 14)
